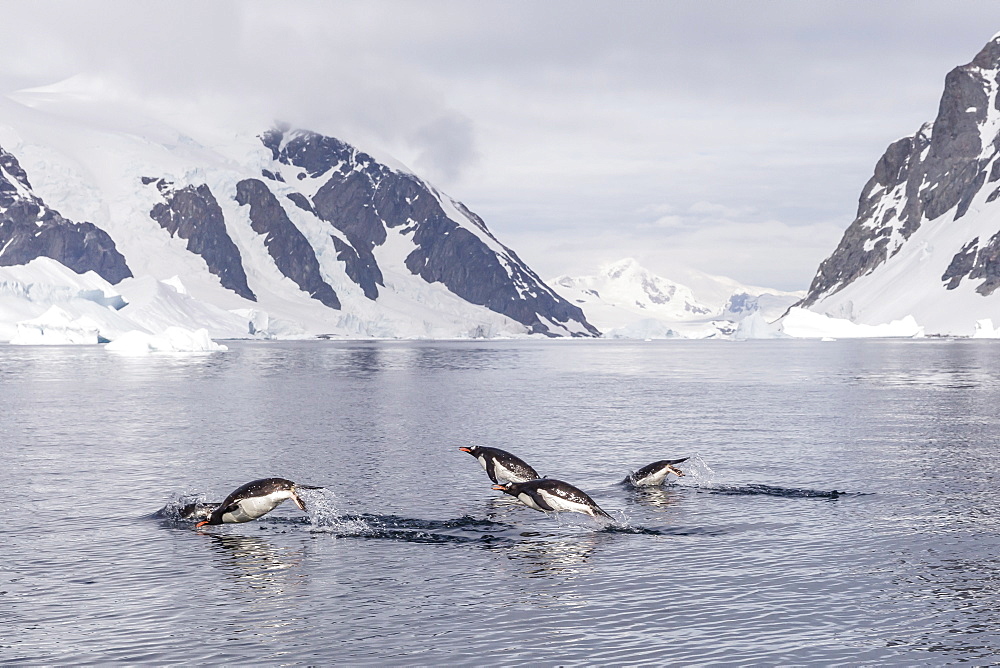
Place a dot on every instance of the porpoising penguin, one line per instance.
(255, 499)
(654, 474)
(550, 495)
(500, 465)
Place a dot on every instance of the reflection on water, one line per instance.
(267, 581)
(662, 497)
(360, 359)
(543, 555)
(957, 365)
(256, 564)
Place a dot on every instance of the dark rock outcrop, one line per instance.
(291, 252)
(987, 266)
(364, 199)
(29, 229)
(921, 178)
(360, 267)
(192, 213)
(961, 265)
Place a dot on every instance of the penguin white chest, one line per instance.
(562, 504)
(652, 479)
(253, 507)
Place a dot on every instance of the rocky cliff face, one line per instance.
(193, 214)
(930, 201)
(29, 229)
(365, 200)
(291, 252)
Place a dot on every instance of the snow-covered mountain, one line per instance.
(625, 300)
(284, 233)
(926, 240)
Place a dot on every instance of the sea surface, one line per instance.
(840, 504)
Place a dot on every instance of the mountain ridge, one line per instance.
(290, 222)
(926, 238)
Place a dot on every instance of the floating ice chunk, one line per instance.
(805, 324)
(171, 340)
(985, 330)
(56, 327)
(756, 326)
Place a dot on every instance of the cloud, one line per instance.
(446, 147)
(567, 121)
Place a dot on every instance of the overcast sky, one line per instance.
(731, 137)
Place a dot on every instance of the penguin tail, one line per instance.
(309, 487)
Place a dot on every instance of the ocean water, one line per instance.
(840, 504)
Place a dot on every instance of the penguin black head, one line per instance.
(471, 449)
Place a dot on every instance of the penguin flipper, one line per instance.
(541, 502)
(228, 509)
(491, 471)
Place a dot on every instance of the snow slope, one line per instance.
(625, 300)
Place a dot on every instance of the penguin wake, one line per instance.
(770, 490)
(393, 527)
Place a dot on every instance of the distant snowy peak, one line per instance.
(627, 300)
(928, 218)
(626, 284)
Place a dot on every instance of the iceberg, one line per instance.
(756, 326)
(804, 324)
(172, 340)
(985, 330)
(56, 327)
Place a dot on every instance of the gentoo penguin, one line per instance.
(653, 474)
(500, 465)
(254, 499)
(548, 494)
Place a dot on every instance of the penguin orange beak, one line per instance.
(465, 449)
(500, 488)
(200, 524)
